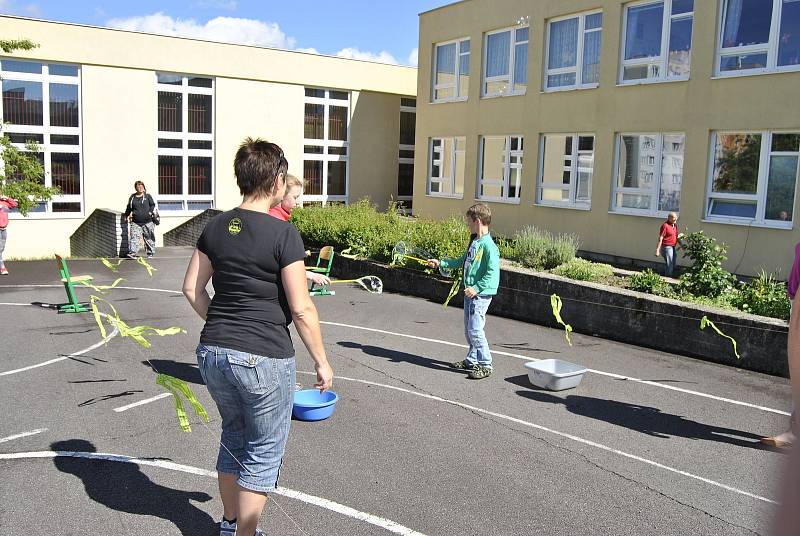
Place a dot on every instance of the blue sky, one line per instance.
(381, 30)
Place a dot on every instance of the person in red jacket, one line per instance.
(6, 203)
(283, 211)
(667, 240)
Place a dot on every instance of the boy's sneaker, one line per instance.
(131, 256)
(227, 529)
(3, 271)
(479, 372)
(462, 365)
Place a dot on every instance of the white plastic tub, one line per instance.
(554, 374)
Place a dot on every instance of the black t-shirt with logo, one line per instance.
(249, 311)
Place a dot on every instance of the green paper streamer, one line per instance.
(102, 289)
(147, 266)
(555, 303)
(114, 267)
(704, 322)
(177, 388)
(137, 333)
(453, 289)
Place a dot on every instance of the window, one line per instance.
(506, 62)
(500, 168)
(574, 42)
(185, 143)
(566, 170)
(759, 36)
(658, 40)
(405, 168)
(41, 104)
(649, 173)
(446, 167)
(451, 71)
(753, 178)
(326, 145)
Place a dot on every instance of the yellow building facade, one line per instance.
(108, 107)
(599, 117)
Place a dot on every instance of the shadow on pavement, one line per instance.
(109, 397)
(400, 357)
(643, 419)
(124, 488)
(188, 372)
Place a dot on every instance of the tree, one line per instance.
(22, 171)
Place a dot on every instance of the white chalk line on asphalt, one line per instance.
(560, 434)
(598, 372)
(142, 402)
(320, 502)
(23, 434)
(498, 352)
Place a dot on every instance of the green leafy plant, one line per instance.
(706, 276)
(763, 295)
(650, 282)
(541, 250)
(583, 270)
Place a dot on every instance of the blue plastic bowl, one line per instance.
(311, 405)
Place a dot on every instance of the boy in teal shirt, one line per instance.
(481, 263)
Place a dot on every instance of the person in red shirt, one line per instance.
(6, 203)
(667, 240)
(283, 211)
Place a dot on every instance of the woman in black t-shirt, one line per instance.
(245, 353)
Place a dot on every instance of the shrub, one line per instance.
(442, 238)
(706, 276)
(764, 296)
(583, 270)
(540, 250)
(649, 281)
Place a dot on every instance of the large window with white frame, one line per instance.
(657, 42)
(649, 173)
(573, 51)
(759, 36)
(754, 177)
(446, 166)
(500, 177)
(505, 54)
(326, 145)
(451, 71)
(405, 165)
(41, 104)
(566, 170)
(185, 143)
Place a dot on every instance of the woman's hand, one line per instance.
(324, 377)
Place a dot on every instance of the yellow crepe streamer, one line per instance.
(706, 322)
(114, 267)
(102, 289)
(177, 388)
(147, 266)
(137, 333)
(453, 290)
(346, 253)
(555, 303)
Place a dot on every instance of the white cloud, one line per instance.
(356, 54)
(224, 29)
(413, 58)
(310, 50)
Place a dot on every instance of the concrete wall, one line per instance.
(696, 107)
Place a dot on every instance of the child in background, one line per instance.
(481, 263)
(283, 211)
(6, 203)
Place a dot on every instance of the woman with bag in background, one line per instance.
(142, 216)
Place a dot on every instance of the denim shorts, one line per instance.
(254, 396)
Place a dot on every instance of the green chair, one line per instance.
(323, 266)
(73, 306)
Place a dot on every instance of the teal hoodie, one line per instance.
(484, 271)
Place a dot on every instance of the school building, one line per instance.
(108, 107)
(599, 117)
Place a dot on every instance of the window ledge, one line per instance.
(447, 101)
(446, 196)
(568, 88)
(630, 212)
(47, 216)
(501, 95)
(651, 81)
(498, 200)
(584, 208)
(748, 223)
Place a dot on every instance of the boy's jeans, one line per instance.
(668, 252)
(474, 320)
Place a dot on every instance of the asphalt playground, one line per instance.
(649, 443)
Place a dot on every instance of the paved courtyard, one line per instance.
(649, 443)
